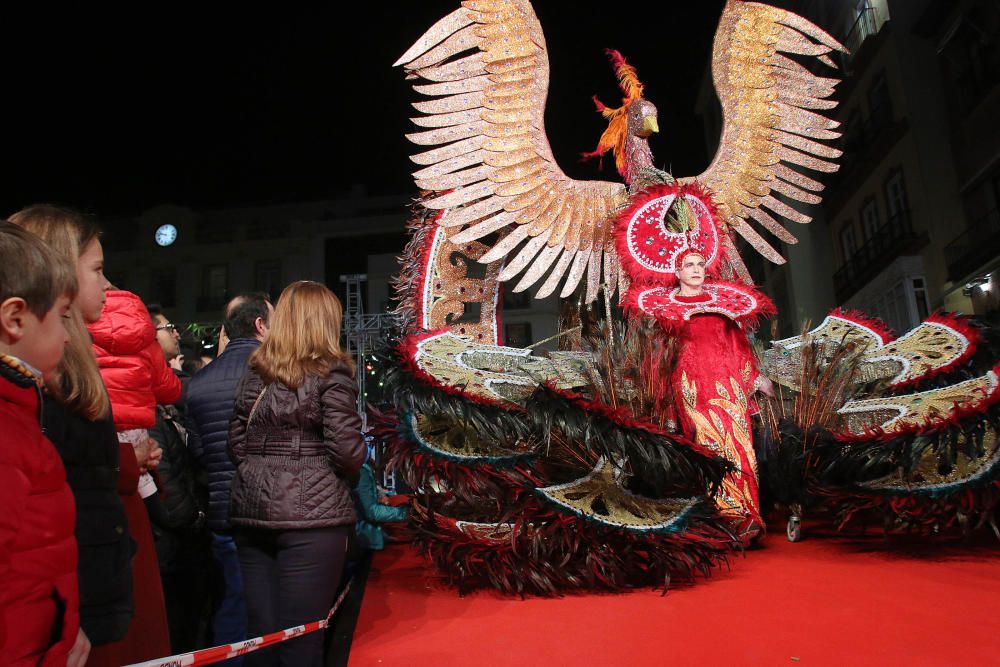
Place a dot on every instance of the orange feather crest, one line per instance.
(613, 138)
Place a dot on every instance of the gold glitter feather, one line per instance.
(463, 40)
(469, 66)
(561, 224)
(471, 213)
(594, 274)
(793, 192)
(453, 87)
(784, 210)
(489, 141)
(772, 225)
(580, 264)
(505, 245)
(517, 171)
(531, 213)
(769, 102)
(448, 119)
(550, 284)
(550, 215)
(584, 210)
(438, 155)
(538, 268)
(448, 25)
(455, 180)
(527, 253)
(481, 229)
(462, 196)
(450, 165)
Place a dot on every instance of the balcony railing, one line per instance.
(893, 238)
(973, 247)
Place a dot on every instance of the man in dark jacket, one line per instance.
(210, 396)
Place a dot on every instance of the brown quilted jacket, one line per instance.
(299, 454)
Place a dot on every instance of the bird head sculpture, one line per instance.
(629, 125)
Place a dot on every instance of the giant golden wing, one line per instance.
(770, 126)
(491, 168)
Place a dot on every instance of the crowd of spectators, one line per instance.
(157, 504)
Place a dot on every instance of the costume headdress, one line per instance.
(649, 241)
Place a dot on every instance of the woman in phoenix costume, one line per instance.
(714, 372)
(530, 476)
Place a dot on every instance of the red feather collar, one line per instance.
(740, 303)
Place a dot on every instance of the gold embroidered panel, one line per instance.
(600, 497)
(498, 373)
(836, 329)
(451, 294)
(894, 413)
(459, 441)
(929, 346)
(783, 362)
(928, 477)
(922, 350)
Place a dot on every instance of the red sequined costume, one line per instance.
(713, 381)
(715, 371)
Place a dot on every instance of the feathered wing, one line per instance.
(771, 127)
(490, 166)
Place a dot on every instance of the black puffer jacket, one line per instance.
(210, 395)
(89, 451)
(299, 455)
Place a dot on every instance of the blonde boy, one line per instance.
(39, 600)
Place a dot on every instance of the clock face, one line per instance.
(165, 235)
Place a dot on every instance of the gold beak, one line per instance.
(649, 125)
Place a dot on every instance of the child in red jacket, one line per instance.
(135, 373)
(131, 361)
(39, 597)
(137, 378)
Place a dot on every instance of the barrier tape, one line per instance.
(215, 654)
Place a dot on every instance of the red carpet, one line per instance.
(829, 601)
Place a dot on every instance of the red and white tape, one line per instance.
(215, 654)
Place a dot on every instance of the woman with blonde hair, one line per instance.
(102, 474)
(295, 439)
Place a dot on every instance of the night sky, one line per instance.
(114, 112)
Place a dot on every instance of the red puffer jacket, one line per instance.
(39, 598)
(131, 361)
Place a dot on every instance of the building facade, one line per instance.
(218, 253)
(214, 254)
(966, 35)
(911, 222)
(912, 214)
